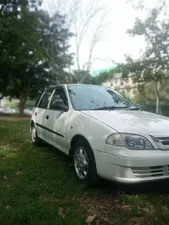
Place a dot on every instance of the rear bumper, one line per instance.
(131, 170)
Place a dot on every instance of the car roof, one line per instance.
(62, 85)
(84, 85)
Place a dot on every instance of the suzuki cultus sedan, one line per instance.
(106, 135)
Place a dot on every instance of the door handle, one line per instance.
(35, 113)
(47, 117)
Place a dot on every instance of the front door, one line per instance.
(56, 120)
(39, 114)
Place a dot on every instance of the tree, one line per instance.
(19, 45)
(153, 65)
(146, 98)
(84, 18)
(78, 74)
(103, 77)
(33, 50)
(144, 5)
(55, 45)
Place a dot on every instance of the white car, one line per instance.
(106, 135)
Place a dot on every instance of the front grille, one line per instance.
(154, 171)
(163, 140)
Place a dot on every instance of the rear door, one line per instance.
(57, 119)
(40, 112)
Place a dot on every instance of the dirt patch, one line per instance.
(99, 209)
(109, 210)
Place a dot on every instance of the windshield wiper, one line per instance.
(134, 108)
(110, 108)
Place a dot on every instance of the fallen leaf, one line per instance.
(165, 208)
(146, 210)
(104, 219)
(8, 207)
(61, 213)
(90, 219)
(137, 220)
(126, 207)
(45, 199)
(18, 172)
(2, 158)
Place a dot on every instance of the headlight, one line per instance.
(131, 141)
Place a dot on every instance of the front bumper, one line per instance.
(133, 169)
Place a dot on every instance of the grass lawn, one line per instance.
(37, 187)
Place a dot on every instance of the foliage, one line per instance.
(89, 79)
(78, 74)
(102, 77)
(146, 98)
(148, 95)
(153, 65)
(124, 94)
(154, 62)
(33, 49)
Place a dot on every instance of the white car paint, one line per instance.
(112, 162)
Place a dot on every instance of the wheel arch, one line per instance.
(32, 123)
(73, 142)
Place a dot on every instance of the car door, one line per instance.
(57, 118)
(40, 112)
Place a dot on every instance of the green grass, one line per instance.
(13, 115)
(38, 187)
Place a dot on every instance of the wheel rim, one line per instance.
(33, 134)
(81, 163)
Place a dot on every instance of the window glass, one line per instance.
(45, 99)
(37, 100)
(59, 99)
(86, 97)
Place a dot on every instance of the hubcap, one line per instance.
(81, 162)
(33, 134)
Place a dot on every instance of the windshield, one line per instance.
(88, 97)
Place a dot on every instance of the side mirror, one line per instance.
(59, 106)
(139, 106)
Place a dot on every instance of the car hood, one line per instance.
(129, 121)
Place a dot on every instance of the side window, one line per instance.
(37, 100)
(59, 100)
(45, 99)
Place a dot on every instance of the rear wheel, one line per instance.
(34, 136)
(84, 163)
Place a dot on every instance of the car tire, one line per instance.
(84, 164)
(34, 136)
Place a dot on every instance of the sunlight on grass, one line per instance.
(6, 149)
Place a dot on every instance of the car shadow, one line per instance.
(155, 188)
(114, 188)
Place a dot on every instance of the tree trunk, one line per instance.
(22, 102)
(157, 97)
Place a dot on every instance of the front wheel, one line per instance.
(84, 164)
(34, 136)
